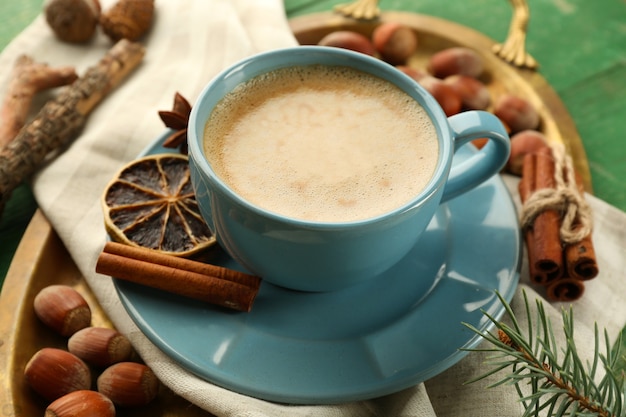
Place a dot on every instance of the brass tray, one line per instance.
(41, 259)
(435, 34)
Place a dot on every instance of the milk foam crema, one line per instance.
(322, 143)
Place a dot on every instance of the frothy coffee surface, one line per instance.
(322, 143)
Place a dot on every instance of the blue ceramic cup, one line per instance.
(318, 256)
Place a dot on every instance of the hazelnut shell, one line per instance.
(447, 98)
(522, 143)
(516, 112)
(351, 40)
(63, 309)
(473, 92)
(52, 373)
(83, 403)
(128, 384)
(100, 346)
(412, 72)
(456, 60)
(395, 42)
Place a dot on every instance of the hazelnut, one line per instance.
(516, 112)
(128, 384)
(412, 72)
(52, 373)
(83, 403)
(456, 60)
(73, 21)
(395, 42)
(63, 309)
(347, 39)
(449, 101)
(522, 143)
(480, 142)
(473, 92)
(100, 346)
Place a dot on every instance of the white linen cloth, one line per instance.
(191, 41)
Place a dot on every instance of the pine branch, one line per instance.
(560, 382)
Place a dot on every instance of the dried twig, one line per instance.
(60, 119)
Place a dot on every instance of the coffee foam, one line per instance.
(322, 143)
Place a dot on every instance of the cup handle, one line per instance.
(485, 163)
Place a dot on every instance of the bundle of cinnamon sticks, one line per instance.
(557, 224)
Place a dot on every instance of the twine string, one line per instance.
(575, 212)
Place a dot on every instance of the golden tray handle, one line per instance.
(360, 9)
(513, 50)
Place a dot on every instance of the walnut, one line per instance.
(73, 21)
(128, 19)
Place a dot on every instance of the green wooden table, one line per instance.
(580, 45)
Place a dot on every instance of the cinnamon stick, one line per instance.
(61, 119)
(526, 187)
(580, 260)
(565, 289)
(580, 257)
(185, 282)
(142, 254)
(543, 241)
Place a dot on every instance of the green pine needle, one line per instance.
(550, 379)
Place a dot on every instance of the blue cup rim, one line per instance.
(263, 62)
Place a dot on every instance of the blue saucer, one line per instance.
(363, 342)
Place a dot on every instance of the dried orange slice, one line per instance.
(150, 203)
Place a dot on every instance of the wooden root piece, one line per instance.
(61, 119)
(27, 79)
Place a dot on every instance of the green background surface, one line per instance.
(580, 45)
